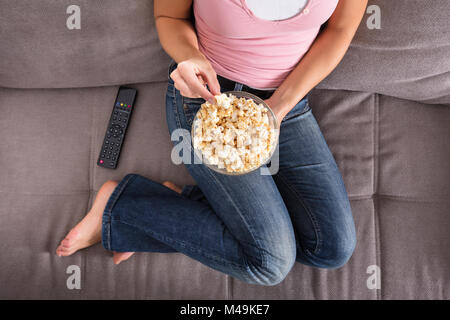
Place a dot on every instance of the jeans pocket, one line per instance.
(300, 108)
(190, 107)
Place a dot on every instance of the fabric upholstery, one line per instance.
(385, 113)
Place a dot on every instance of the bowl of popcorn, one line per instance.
(235, 135)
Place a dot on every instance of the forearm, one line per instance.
(323, 56)
(178, 38)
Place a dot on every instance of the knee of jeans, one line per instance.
(272, 268)
(337, 253)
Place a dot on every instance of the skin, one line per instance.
(178, 38)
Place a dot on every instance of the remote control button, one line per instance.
(111, 164)
(107, 141)
(107, 157)
(114, 158)
(101, 161)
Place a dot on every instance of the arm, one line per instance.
(178, 38)
(323, 56)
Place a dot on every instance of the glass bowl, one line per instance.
(272, 121)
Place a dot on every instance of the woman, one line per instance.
(252, 227)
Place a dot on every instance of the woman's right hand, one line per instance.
(190, 78)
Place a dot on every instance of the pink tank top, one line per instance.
(253, 51)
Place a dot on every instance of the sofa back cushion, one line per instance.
(401, 49)
(82, 43)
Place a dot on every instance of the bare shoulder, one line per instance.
(180, 9)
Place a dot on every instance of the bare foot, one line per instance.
(118, 257)
(88, 231)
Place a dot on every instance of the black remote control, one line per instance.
(118, 124)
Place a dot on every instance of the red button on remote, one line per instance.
(101, 161)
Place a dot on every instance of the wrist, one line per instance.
(279, 108)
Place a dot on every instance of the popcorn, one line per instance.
(234, 133)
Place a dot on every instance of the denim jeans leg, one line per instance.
(124, 234)
(314, 193)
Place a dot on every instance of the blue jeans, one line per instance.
(252, 227)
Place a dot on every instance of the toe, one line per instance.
(59, 252)
(65, 253)
(66, 243)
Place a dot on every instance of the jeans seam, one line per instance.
(173, 95)
(117, 192)
(310, 215)
(110, 206)
(175, 108)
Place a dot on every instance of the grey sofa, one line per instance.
(385, 112)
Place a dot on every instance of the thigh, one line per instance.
(250, 205)
(311, 184)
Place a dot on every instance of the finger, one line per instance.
(181, 85)
(184, 89)
(200, 78)
(213, 83)
(190, 78)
